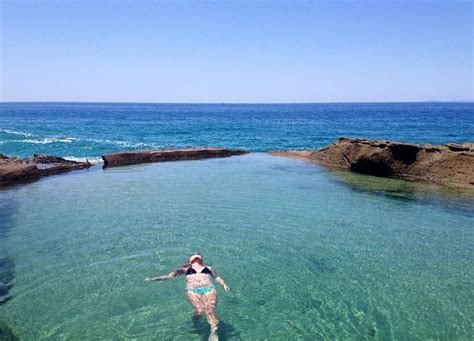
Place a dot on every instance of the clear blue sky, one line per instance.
(236, 51)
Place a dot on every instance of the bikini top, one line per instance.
(204, 270)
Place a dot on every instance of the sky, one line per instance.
(236, 51)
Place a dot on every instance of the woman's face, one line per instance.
(195, 259)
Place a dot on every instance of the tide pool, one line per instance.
(308, 254)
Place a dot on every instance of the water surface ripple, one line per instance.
(308, 254)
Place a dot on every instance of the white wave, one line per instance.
(94, 160)
(47, 140)
(120, 143)
(56, 139)
(132, 145)
(14, 132)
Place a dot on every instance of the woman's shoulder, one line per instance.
(182, 269)
(211, 270)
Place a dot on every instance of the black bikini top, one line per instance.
(204, 270)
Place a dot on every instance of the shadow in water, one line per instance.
(446, 198)
(224, 332)
(320, 265)
(227, 331)
(7, 276)
(6, 334)
(8, 207)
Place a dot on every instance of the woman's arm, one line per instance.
(172, 274)
(220, 281)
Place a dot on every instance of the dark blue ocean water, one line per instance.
(90, 129)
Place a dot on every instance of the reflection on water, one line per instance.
(447, 198)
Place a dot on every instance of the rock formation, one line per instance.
(161, 155)
(452, 164)
(13, 170)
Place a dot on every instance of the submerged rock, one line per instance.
(7, 277)
(452, 164)
(6, 333)
(13, 170)
(161, 155)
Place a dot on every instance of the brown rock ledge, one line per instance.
(451, 165)
(161, 155)
(13, 170)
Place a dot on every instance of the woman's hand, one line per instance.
(221, 282)
(172, 274)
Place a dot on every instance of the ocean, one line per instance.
(79, 130)
(309, 254)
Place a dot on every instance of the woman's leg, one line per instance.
(196, 302)
(209, 302)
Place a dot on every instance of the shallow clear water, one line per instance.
(87, 130)
(308, 254)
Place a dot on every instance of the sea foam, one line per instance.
(124, 144)
(46, 140)
(92, 159)
(14, 132)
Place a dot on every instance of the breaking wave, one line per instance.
(46, 140)
(60, 139)
(14, 132)
(92, 159)
(124, 144)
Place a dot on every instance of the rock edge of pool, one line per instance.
(449, 165)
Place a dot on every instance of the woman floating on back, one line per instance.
(200, 291)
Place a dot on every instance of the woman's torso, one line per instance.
(201, 277)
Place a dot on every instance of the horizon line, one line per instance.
(236, 103)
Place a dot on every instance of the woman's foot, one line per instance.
(213, 336)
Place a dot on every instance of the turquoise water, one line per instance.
(308, 254)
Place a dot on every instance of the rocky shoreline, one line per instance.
(14, 170)
(163, 155)
(451, 165)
